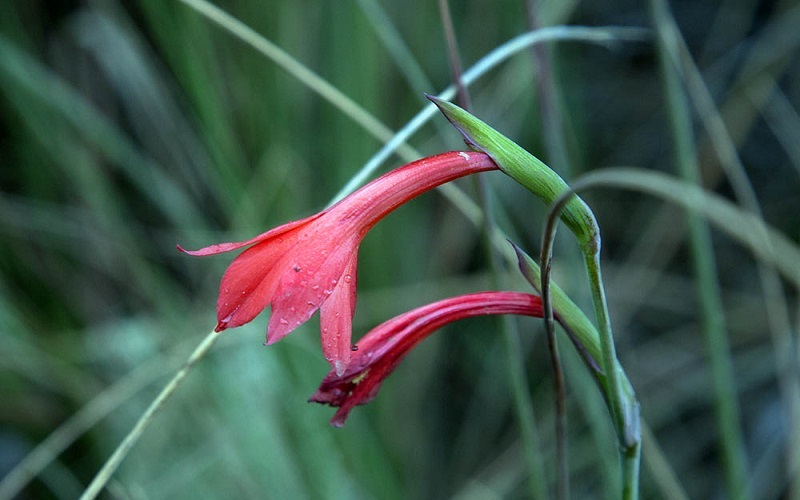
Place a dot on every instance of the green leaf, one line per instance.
(524, 168)
(579, 328)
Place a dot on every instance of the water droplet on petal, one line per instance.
(348, 278)
(354, 348)
(315, 287)
(284, 321)
(334, 281)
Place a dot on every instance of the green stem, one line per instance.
(538, 178)
(111, 465)
(562, 467)
(621, 398)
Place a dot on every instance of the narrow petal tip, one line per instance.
(222, 325)
(195, 253)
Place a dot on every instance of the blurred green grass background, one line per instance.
(128, 127)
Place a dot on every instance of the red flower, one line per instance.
(310, 264)
(380, 350)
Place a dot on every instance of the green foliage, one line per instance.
(128, 127)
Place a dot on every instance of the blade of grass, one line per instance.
(784, 121)
(145, 419)
(606, 35)
(303, 74)
(557, 156)
(659, 466)
(723, 214)
(395, 45)
(726, 401)
(675, 50)
(80, 422)
(520, 388)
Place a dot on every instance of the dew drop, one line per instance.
(315, 287)
(334, 281)
(284, 321)
(292, 309)
(297, 268)
(348, 278)
(354, 348)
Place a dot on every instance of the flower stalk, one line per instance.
(543, 182)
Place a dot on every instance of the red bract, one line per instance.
(310, 264)
(380, 350)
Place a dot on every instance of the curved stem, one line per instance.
(621, 399)
(550, 330)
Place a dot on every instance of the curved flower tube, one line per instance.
(310, 264)
(381, 350)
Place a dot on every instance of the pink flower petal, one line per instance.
(309, 280)
(336, 319)
(381, 350)
(249, 283)
(272, 233)
(303, 265)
